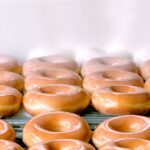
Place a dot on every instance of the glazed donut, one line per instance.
(8, 145)
(147, 85)
(48, 62)
(55, 125)
(145, 69)
(10, 101)
(11, 79)
(108, 63)
(62, 144)
(8, 63)
(129, 126)
(121, 100)
(55, 97)
(52, 76)
(111, 77)
(127, 144)
(6, 131)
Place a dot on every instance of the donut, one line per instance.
(127, 144)
(48, 62)
(147, 85)
(62, 144)
(8, 145)
(52, 76)
(128, 126)
(145, 69)
(6, 131)
(103, 63)
(55, 125)
(111, 77)
(121, 100)
(11, 79)
(10, 101)
(55, 97)
(8, 63)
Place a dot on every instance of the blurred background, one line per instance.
(44, 25)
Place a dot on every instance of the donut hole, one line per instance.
(54, 73)
(59, 90)
(127, 124)
(113, 61)
(65, 144)
(123, 89)
(59, 123)
(113, 75)
(54, 59)
(133, 144)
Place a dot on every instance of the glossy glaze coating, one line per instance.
(103, 63)
(145, 70)
(56, 97)
(129, 126)
(147, 85)
(55, 125)
(52, 76)
(127, 144)
(8, 63)
(10, 101)
(11, 79)
(48, 62)
(8, 145)
(111, 77)
(6, 131)
(68, 144)
(121, 100)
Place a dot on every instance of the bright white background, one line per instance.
(27, 25)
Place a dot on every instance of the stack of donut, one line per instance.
(11, 86)
(54, 96)
(52, 83)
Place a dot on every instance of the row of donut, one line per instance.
(113, 82)
(114, 86)
(64, 130)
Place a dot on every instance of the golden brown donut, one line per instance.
(127, 144)
(147, 85)
(52, 76)
(121, 100)
(8, 63)
(48, 62)
(128, 126)
(6, 131)
(145, 70)
(111, 77)
(68, 144)
(10, 101)
(8, 145)
(11, 79)
(103, 63)
(55, 97)
(55, 125)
